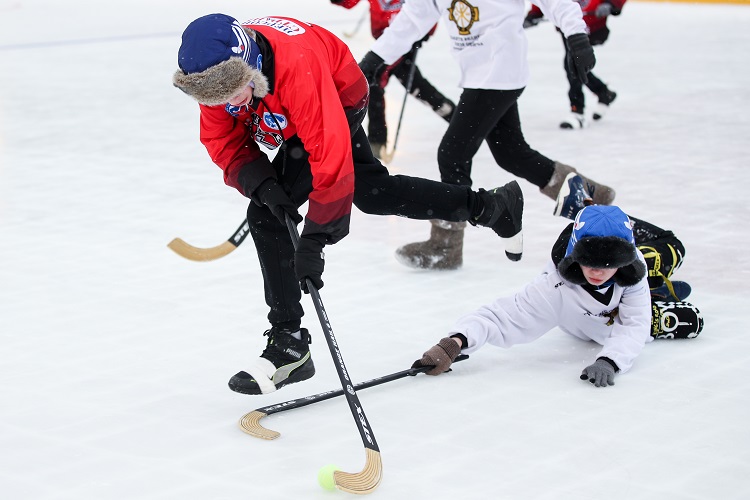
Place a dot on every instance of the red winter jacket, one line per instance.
(381, 12)
(588, 7)
(313, 79)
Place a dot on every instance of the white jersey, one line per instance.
(618, 318)
(487, 36)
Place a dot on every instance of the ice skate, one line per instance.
(675, 320)
(443, 251)
(602, 106)
(503, 212)
(445, 111)
(285, 360)
(574, 121)
(599, 193)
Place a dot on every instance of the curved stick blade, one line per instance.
(250, 424)
(363, 482)
(188, 251)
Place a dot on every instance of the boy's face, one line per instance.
(597, 276)
(243, 98)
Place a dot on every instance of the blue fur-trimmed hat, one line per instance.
(602, 238)
(218, 58)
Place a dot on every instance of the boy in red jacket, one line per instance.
(381, 13)
(294, 86)
(595, 14)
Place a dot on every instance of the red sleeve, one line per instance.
(228, 141)
(535, 12)
(315, 108)
(347, 4)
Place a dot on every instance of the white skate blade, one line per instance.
(574, 121)
(600, 110)
(514, 246)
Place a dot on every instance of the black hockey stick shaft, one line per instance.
(365, 431)
(324, 396)
(409, 84)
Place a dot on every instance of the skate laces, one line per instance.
(283, 347)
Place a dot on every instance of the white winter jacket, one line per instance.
(487, 36)
(549, 301)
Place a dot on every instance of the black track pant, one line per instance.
(421, 88)
(375, 192)
(492, 116)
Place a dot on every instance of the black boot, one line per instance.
(503, 212)
(285, 360)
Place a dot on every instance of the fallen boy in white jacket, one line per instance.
(596, 288)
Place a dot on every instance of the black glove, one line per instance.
(309, 262)
(601, 373)
(603, 10)
(580, 55)
(271, 194)
(441, 356)
(370, 64)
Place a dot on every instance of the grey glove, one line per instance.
(441, 356)
(603, 10)
(601, 373)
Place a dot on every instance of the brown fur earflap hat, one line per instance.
(602, 238)
(218, 58)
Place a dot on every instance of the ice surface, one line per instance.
(115, 353)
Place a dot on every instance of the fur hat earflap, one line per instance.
(218, 58)
(219, 83)
(602, 238)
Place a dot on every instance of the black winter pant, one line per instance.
(421, 88)
(492, 116)
(375, 192)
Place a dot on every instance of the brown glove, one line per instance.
(441, 356)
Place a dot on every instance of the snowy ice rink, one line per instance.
(115, 352)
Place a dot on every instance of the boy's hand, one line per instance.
(441, 356)
(601, 373)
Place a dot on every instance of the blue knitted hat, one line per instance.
(218, 58)
(602, 238)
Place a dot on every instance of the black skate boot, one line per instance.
(503, 212)
(285, 360)
(605, 99)
(675, 320)
(445, 110)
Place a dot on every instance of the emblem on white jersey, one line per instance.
(464, 15)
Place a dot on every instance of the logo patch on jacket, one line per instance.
(274, 121)
(283, 25)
